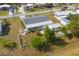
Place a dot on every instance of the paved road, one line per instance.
(32, 13)
(8, 16)
(21, 12)
(39, 12)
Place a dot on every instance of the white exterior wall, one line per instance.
(41, 25)
(77, 11)
(10, 13)
(62, 22)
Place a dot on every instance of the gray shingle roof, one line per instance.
(36, 19)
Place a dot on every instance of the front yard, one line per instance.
(3, 13)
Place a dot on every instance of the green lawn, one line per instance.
(3, 13)
(37, 9)
(13, 27)
(50, 16)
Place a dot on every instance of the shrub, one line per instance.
(7, 43)
(49, 35)
(73, 26)
(38, 42)
(64, 30)
(10, 44)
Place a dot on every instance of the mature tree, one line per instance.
(67, 32)
(64, 30)
(49, 35)
(38, 42)
(73, 26)
(49, 5)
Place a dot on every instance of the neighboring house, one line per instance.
(6, 7)
(40, 5)
(77, 10)
(27, 5)
(63, 16)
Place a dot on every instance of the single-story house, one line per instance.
(29, 5)
(63, 16)
(65, 13)
(36, 22)
(77, 10)
(6, 7)
(26, 6)
(11, 11)
(40, 5)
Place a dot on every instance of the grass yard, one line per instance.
(41, 9)
(37, 9)
(11, 34)
(63, 47)
(14, 26)
(50, 16)
(71, 48)
(3, 13)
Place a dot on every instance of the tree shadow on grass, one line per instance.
(6, 29)
(59, 42)
(46, 48)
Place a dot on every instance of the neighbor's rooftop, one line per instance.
(65, 13)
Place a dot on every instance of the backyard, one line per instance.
(65, 47)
